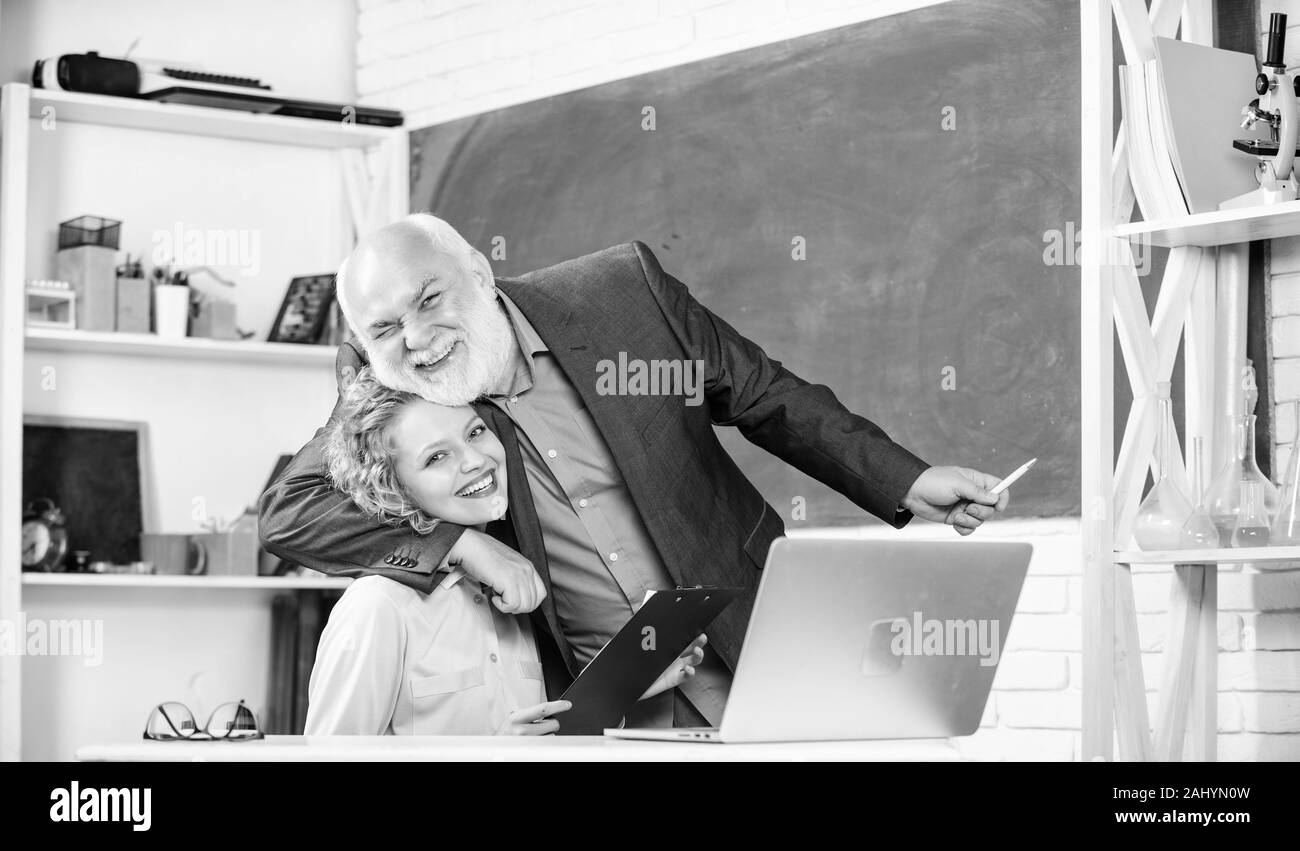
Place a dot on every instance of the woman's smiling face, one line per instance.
(449, 462)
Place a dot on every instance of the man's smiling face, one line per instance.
(430, 323)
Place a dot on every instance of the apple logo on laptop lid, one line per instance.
(879, 657)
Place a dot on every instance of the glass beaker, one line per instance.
(1199, 532)
(1286, 525)
(1223, 500)
(1251, 529)
(1163, 513)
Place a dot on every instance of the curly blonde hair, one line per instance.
(361, 459)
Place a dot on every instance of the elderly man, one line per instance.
(623, 493)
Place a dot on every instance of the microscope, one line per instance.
(1275, 108)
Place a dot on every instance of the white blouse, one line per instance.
(395, 661)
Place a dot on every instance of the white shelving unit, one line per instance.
(204, 121)
(373, 165)
(196, 348)
(1258, 556)
(1225, 227)
(1200, 305)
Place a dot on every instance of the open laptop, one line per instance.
(855, 639)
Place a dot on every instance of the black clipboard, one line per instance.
(609, 687)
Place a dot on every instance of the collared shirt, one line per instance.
(394, 661)
(601, 558)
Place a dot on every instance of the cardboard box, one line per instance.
(91, 271)
(134, 301)
(231, 553)
(215, 318)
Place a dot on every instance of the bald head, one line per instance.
(422, 303)
(394, 252)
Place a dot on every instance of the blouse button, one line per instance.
(493, 657)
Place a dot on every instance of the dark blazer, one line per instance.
(708, 522)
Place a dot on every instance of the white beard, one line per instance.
(473, 370)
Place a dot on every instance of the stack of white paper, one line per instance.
(1182, 111)
(1154, 177)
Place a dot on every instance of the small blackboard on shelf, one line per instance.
(304, 310)
(95, 470)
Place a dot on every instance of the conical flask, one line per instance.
(1164, 512)
(1224, 496)
(1251, 529)
(1286, 525)
(1199, 532)
(1249, 389)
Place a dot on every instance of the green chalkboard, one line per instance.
(921, 159)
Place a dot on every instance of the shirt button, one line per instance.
(514, 400)
(478, 598)
(613, 556)
(493, 657)
(582, 503)
(551, 453)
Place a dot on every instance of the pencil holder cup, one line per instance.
(171, 310)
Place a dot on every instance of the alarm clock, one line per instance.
(45, 540)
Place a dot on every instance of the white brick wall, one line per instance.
(1267, 674)
(1284, 285)
(444, 59)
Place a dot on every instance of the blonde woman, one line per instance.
(393, 660)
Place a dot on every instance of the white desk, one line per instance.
(511, 749)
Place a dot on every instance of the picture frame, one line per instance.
(304, 310)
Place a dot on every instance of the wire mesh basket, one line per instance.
(89, 230)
